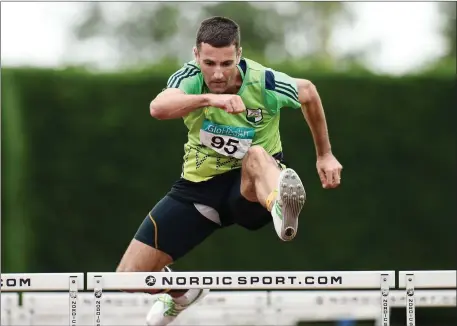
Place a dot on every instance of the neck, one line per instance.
(237, 85)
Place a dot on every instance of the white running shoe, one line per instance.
(288, 204)
(164, 311)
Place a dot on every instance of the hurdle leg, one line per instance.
(98, 293)
(385, 304)
(73, 297)
(410, 302)
(9, 313)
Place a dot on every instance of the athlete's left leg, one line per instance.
(275, 187)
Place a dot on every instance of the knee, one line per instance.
(256, 152)
(256, 160)
(122, 268)
(156, 265)
(140, 257)
(133, 269)
(254, 156)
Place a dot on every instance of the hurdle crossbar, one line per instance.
(411, 280)
(241, 280)
(71, 282)
(381, 280)
(19, 282)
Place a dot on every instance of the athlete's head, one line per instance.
(218, 51)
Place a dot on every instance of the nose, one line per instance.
(218, 74)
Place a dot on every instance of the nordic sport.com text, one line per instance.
(243, 280)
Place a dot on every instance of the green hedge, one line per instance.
(82, 164)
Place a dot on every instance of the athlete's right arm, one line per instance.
(173, 103)
(184, 95)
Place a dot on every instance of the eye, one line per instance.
(227, 64)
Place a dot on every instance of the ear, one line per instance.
(239, 54)
(195, 50)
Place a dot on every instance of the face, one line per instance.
(218, 66)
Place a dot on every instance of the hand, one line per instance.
(227, 102)
(329, 170)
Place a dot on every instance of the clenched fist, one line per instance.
(329, 170)
(227, 102)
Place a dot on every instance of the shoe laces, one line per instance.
(171, 306)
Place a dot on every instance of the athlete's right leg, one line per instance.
(171, 230)
(140, 257)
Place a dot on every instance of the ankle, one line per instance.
(271, 199)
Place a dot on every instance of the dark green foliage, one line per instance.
(83, 162)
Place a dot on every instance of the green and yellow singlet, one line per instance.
(217, 140)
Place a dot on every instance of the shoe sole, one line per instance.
(292, 197)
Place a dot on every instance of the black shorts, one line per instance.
(175, 226)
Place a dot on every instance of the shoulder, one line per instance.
(253, 65)
(281, 84)
(278, 88)
(188, 78)
(189, 71)
(275, 82)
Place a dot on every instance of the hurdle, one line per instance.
(382, 281)
(30, 282)
(411, 280)
(9, 302)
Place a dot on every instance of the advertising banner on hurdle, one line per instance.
(18, 282)
(70, 282)
(412, 280)
(383, 281)
(241, 280)
(444, 279)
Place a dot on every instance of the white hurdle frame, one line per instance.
(411, 280)
(30, 282)
(140, 281)
(382, 281)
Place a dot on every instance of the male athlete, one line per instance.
(233, 170)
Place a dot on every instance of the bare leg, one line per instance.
(260, 174)
(280, 191)
(140, 257)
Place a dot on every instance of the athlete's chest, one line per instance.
(233, 134)
(256, 115)
(253, 117)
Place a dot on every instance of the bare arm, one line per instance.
(173, 103)
(313, 112)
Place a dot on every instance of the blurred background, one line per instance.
(83, 162)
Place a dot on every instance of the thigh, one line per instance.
(174, 227)
(247, 214)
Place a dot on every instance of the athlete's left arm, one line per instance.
(313, 112)
(329, 169)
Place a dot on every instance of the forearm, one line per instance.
(176, 105)
(313, 112)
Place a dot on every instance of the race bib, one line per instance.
(226, 140)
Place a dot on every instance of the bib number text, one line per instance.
(229, 146)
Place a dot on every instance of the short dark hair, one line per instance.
(218, 32)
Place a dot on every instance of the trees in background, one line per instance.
(299, 33)
(145, 33)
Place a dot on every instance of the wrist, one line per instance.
(206, 99)
(324, 153)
